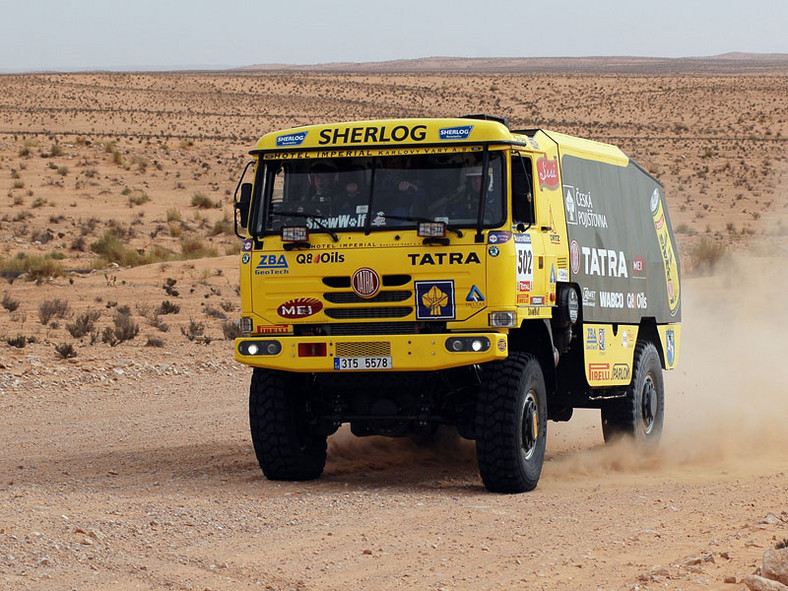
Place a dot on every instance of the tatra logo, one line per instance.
(365, 282)
(299, 308)
(548, 173)
(439, 258)
(372, 135)
(604, 262)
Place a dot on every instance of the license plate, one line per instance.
(361, 363)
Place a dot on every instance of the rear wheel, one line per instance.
(511, 429)
(285, 442)
(641, 414)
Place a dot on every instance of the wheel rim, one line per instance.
(648, 405)
(530, 426)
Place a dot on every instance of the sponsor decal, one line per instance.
(523, 286)
(523, 298)
(620, 371)
(271, 264)
(670, 346)
(534, 143)
(574, 257)
(579, 207)
(373, 134)
(502, 345)
(598, 372)
(299, 308)
(591, 344)
(625, 339)
(611, 299)
(537, 300)
(563, 275)
(498, 237)
(604, 262)
(245, 258)
(533, 311)
(246, 245)
(440, 258)
(547, 171)
(637, 300)
(552, 274)
(494, 251)
(522, 238)
(273, 329)
(601, 339)
(638, 266)
(474, 295)
(317, 258)
(365, 282)
(292, 139)
(461, 132)
(589, 297)
(525, 264)
(434, 300)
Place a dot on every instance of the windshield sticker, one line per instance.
(461, 132)
(292, 139)
(434, 300)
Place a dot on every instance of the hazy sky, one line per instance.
(110, 34)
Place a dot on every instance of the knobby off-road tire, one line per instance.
(511, 424)
(285, 445)
(641, 414)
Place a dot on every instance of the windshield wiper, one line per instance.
(407, 218)
(314, 217)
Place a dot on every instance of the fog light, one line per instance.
(260, 347)
(252, 349)
(455, 344)
(467, 344)
(503, 319)
(476, 345)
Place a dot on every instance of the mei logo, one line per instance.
(272, 264)
(460, 132)
(293, 139)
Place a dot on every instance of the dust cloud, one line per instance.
(726, 404)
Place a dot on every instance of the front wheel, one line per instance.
(641, 414)
(511, 424)
(285, 442)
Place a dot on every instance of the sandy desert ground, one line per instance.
(130, 466)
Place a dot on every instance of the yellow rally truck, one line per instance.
(401, 275)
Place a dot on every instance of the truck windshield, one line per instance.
(392, 191)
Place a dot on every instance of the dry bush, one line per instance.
(168, 307)
(50, 309)
(155, 342)
(65, 350)
(84, 324)
(706, 255)
(123, 328)
(194, 330)
(19, 341)
(9, 303)
(231, 329)
(202, 201)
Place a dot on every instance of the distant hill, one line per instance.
(727, 63)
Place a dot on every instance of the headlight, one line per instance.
(503, 319)
(467, 344)
(260, 347)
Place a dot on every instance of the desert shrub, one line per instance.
(62, 170)
(174, 214)
(223, 226)
(18, 185)
(214, 313)
(65, 350)
(50, 309)
(169, 287)
(155, 342)
(781, 544)
(123, 328)
(231, 329)
(9, 303)
(137, 197)
(194, 248)
(84, 324)
(38, 202)
(202, 201)
(706, 255)
(194, 330)
(56, 150)
(34, 267)
(19, 341)
(168, 307)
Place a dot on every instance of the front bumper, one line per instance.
(426, 352)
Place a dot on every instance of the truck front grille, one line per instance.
(348, 297)
(373, 349)
(379, 312)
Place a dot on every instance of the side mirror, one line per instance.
(242, 205)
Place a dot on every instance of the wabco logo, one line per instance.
(455, 133)
(293, 139)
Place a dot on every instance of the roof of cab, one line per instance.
(387, 133)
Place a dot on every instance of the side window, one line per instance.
(522, 190)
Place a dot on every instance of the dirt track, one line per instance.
(138, 473)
